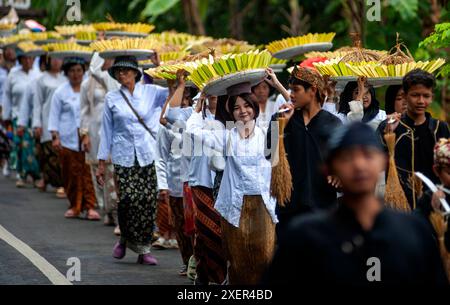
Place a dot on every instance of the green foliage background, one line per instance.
(263, 22)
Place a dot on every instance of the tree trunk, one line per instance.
(446, 99)
(237, 17)
(295, 17)
(431, 19)
(299, 23)
(193, 19)
(187, 15)
(236, 29)
(354, 10)
(196, 19)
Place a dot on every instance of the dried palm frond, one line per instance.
(124, 44)
(416, 183)
(281, 182)
(394, 195)
(224, 46)
(358, 53)
(441, 226)
(279, 45)
(398, 57)
(28, 46)
(174, 38)
(69, 30)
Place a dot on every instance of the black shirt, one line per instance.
(423, 151)
(332, 248)
(417, 153)
(305, 145)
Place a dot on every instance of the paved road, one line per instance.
(37, 220)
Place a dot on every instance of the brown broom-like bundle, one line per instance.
(398, 57)
(418, 185)
(394, 195)
(358, 53)
(281, 182)
(440, 226)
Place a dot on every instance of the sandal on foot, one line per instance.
(20, 183)
(93, 215)
(71, 214)
(60, 193)
(40, 185)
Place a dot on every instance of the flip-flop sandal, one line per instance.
(93, 215)
(60, 193)
(20, 184)
(40, 185)
(71, 214)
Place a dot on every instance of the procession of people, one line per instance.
(175, 166)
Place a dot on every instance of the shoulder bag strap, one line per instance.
(141, 121)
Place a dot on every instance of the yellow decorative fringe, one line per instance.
(281, 183)
(440, 226)
(394, 196)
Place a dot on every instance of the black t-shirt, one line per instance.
(423, 150)
(305, 145)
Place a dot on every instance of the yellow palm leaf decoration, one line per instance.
(291, 42)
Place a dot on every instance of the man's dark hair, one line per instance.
(298, 82)
(418, 77)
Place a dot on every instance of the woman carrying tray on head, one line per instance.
(172, 168)
(264, 93)
(93, 92)
(244, 201)
(46, 86)
(63, 124)
(22, 157)
(208, 251)
(129, 129)
(359, 103)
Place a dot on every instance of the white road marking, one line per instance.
(55, 277)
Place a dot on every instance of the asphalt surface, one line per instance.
(37, 219)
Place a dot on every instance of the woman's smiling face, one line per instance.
(243, 111)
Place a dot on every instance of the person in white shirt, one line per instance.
(4, 71)
(39, 109)
(208, 252)
(128, 136)
(244, 200)
(358, 103)
(64, 123)
(92, 103)
(171, 168)
(19, 80)
(268, 105)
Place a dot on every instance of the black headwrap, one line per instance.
(347, 96)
